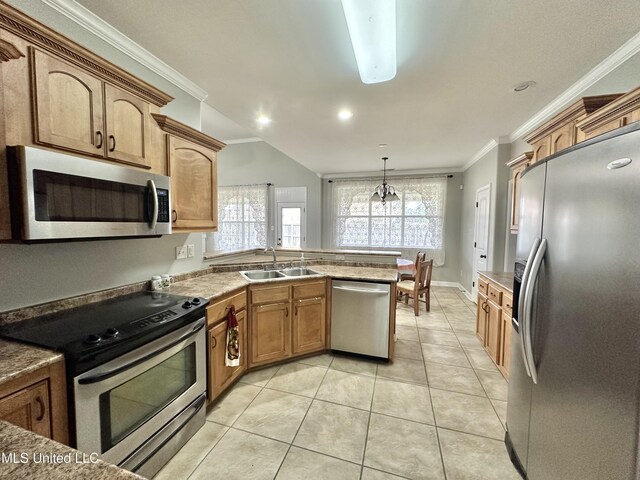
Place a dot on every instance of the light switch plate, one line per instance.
(181, 252)
(191, 250)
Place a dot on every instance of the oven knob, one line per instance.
(196, 301)
(93, 339)
(110, 333)
(186, 305)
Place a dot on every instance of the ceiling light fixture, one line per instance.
(372, 28)
(345, 114)
(263, 120)
(383, 192)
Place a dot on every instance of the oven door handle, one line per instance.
(111, 373)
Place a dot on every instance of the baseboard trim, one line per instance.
(457, 285)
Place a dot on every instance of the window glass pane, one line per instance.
(232, 211)
(355, 232)
(386, 232)
(413, 204)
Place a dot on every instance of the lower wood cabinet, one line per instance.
(309, 325)
(220, 376)
(493, 322)
(37, 401)
(270, 333)
(287, 319)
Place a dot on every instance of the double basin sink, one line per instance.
(286, 272)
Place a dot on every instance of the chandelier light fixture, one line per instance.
(372, 28)
(383, 192)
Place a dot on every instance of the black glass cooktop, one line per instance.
(116, 325)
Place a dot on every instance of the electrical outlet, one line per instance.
(181, 252)
(191, 249)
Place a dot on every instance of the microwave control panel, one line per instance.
(163, 205)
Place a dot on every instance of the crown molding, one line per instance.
(613, 61)
(179, 129)
(480, 153)
(96, 25)
(243, 140)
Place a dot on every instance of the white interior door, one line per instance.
(291, 225)
(481, 236)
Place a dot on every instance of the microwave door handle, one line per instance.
(154, 215)
(528, 307)
(522, 298)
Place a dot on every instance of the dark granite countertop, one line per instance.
(36, 457)
(504, 279)
(17, 359)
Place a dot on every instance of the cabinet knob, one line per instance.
(112, 139)
(40, 403)
(99, 135)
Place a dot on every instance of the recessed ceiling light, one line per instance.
(383, 145)
(263, 120)
(521, 87)
(345, 114)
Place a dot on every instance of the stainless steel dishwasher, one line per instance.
(360, 318)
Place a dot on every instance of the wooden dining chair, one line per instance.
(419, 286)
(412, 275)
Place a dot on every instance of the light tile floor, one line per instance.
(436, 412)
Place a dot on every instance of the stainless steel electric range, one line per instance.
(135, 374)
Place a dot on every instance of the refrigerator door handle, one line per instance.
(521, 302)
(528, 298)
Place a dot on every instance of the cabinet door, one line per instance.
(494, 327)
(505, 344)
(194, 189)
(219, 375)
(541, 149)
(29, 408)
(481, 318)
(515, 198)
(68, 106)
(563, 138)
(308, 325)
(127, 128)
(270, 333)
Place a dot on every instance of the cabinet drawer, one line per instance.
(308, 290)
(507, 302)
(220, 308)
(495, 295)
(270, 294)
(482, 286)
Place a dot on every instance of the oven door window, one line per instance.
(59, 197)
(129, 405)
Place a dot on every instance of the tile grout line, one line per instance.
(433, 410)
(284, 458)
(366, 437)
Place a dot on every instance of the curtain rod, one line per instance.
(400, 177)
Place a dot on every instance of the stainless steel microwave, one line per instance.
(56, 196)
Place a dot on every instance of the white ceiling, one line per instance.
(457, 62)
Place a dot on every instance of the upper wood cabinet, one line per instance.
(127, 127)
(68, 106)
(77, 111)
(561, 131)
(620, 112)
(192, 166)
(517, 165)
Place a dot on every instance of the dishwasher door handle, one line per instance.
(361, 290)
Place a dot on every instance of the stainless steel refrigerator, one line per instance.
(574, 381)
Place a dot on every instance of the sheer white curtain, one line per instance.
(242, 218)
(415, 223)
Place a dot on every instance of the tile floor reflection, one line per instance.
(437, 412)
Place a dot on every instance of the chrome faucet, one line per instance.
(273, 252)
